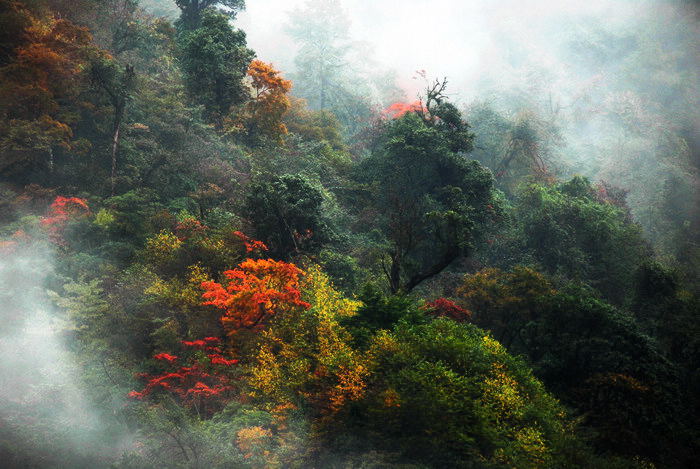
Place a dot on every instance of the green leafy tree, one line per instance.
(286, 213)
(569, 231)
(117, 81)
(430, 202)
(592, 355)
(445, 394)
(214, 59)
(193, 10)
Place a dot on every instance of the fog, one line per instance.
(41, 385)
(464, 40)
(610, 87)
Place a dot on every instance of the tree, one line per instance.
(287, 215)
(202, 383)
(14, 20)
(445, 394)
(256, 291)
(322, 30)
(39, 92)
(431, 203)
(590, 354)
(214, 59)
(566, 229)
(305, 358)
(269, 103)
(192, 10)
(117, 82)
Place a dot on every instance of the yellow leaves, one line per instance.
(266, 375)
(253, 441)
(493, 346)
(506, 403)
(326, 300)
(531, 442)
(501, 394)
(351, 385)
(161, 248)
(528, 450)
(306, 356)
(385, 342)
(391, 398)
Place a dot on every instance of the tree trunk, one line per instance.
(118, 114)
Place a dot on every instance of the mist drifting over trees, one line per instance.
(341, 233)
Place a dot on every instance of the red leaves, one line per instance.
(442, 307)
(202, 384)
(250, 244)
(165, 356)
(64, 208)
(61, 211)
(189, 228)
(256, 291)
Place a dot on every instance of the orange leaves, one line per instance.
(269, 102)
(256, 291)
(397, 110)
(266, 80)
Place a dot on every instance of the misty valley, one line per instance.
(349, 234)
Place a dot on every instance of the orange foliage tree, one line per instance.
(256, 291)
(269, 102)
(38, 87)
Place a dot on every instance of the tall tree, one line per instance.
(215, 59)
(117, 82)
(430, 201)
(192, 10)
(268, 103)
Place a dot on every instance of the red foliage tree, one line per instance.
(202, 383)
(256, 291)
(250, 244)
(442, 307)
(61, 211)
(397, 110)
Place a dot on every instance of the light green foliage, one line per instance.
(467, 401)
(568, 231)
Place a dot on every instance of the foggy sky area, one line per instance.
(616, 82)
(471, 42)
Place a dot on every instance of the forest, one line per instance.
(349, 234)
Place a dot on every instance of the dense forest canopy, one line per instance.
(339, 234)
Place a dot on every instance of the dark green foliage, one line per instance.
(193, 10)
(431, 203)
(286, 213)
(593, 356)
(569, 232)
(214, 60)
(381, 312)
(14, 18)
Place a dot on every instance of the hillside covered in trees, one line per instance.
(209, 261)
